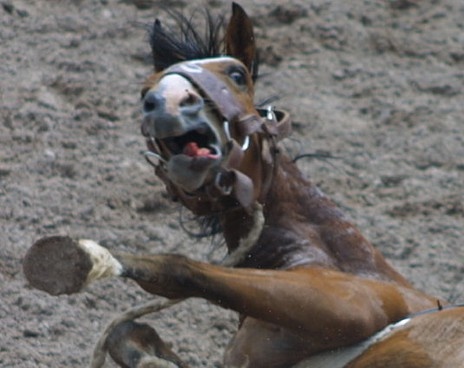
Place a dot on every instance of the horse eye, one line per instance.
(238, 77)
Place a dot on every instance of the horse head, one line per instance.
(214, 149)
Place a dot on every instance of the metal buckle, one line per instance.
(149, 155)
(246, 142)
(270, 114)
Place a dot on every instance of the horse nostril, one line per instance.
(191, 99)
(148, 106)
(191, 103)
(151, 102)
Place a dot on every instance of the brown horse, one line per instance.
(310, 289)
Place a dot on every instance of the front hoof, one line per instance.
(57, 265)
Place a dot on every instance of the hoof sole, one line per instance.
(57, 265)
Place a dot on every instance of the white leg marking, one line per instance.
(104, 264)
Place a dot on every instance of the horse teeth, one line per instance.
(215, 150)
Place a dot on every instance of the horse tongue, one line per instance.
(191, 149)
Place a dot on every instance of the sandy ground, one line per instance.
(379, 84)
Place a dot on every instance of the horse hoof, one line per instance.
(132, 344)
(57, 265)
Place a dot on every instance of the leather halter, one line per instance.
(229, 182)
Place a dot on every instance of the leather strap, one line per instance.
(212, 87)
(280, 127)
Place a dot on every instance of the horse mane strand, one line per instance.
(188, 43)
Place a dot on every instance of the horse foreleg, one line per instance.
(60, 265)
(329, 308)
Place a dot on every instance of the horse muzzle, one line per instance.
(180, 132)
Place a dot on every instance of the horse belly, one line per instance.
(259, 344)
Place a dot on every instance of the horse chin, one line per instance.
(190, 173)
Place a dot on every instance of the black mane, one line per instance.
(187, 43)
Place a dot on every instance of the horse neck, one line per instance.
(304, 227)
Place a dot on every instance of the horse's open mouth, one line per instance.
(200, 142)
(188, 157)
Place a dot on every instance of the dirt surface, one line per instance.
(378, 84)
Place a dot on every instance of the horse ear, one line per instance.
(156, 36)
(239, 38)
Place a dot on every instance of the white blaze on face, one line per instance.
(103, 263)
(174, 88)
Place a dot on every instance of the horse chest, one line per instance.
(279, 248)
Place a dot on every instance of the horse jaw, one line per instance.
(189, 173)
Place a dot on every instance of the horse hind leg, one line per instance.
(262, 344)
(136, 345)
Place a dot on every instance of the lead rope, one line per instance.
(246, 243)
